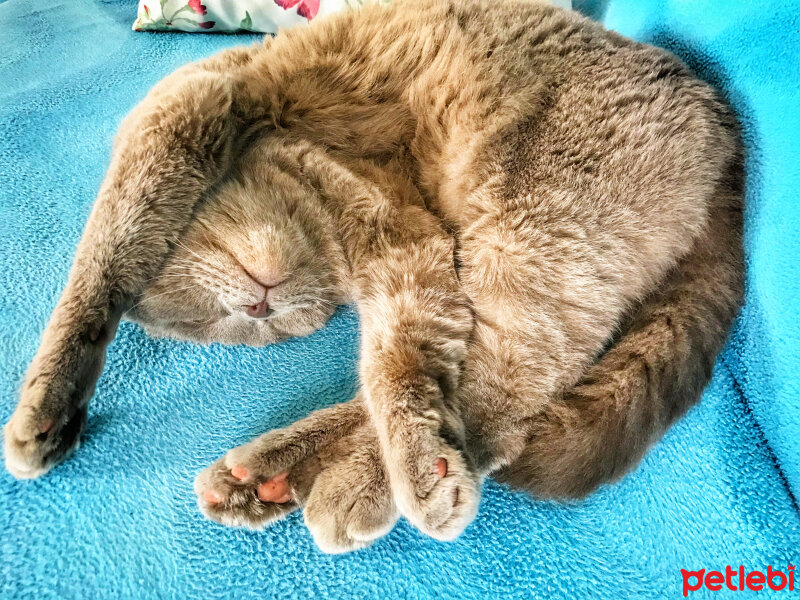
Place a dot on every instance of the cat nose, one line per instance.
(259, 311)
(266, 278)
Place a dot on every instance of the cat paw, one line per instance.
(341, 485)
(434, 487)
(52, 410)
(43, 430)
(350, 504)
(232, 494)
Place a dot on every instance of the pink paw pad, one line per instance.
(239, 472)
(275, 489)
(441, 467)
(212, 496)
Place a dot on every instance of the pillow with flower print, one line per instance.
(266, 16)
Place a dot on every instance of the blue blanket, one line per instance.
(118, 519)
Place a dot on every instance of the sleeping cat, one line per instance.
(538, 220)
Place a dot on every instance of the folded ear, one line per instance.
(170, 151)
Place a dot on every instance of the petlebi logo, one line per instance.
(737, 580)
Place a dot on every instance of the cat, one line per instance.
(538, 220)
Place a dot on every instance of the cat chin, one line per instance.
(252, 333)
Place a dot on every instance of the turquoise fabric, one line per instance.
(118, 519)
(751, 51)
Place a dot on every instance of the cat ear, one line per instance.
(170, 151)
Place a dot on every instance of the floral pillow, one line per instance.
(265, 16)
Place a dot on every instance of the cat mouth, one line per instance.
(260, 310)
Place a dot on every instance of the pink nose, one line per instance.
(259, 311)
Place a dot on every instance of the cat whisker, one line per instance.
(189, 250)
(165, 292)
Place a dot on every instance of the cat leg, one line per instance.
(552, 277)
(350, 504)
(649, 378)
(328, 463)
(170, 150)
(415, 329)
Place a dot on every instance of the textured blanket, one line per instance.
(118, 519)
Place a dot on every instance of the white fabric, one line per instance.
(266, 16)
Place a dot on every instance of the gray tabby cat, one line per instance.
(539, 221)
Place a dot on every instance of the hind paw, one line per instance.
(350, 504)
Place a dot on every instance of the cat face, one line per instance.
(256, 266)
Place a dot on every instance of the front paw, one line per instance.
(434, 486)
(342, 486)
(237, 496)
(52, 409)
(350, 504)
(44, 429)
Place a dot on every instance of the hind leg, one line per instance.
(548, 295)
(653, 374)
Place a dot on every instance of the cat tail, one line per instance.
(650, 377)
(169, 151)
